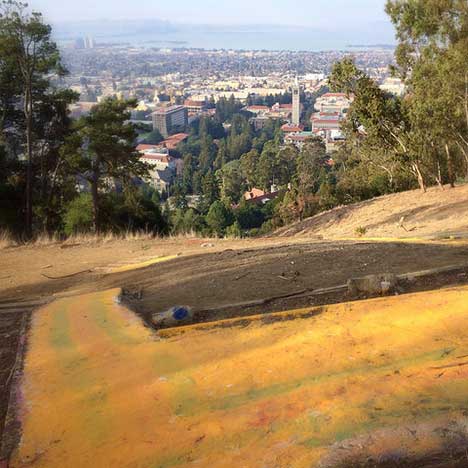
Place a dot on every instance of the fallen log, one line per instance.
(66, 276)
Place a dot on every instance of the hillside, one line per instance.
(435, 213)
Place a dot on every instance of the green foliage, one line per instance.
(154, 137)
(134, 210)
(249, 216)
(187, 222)
(227, 108)
(101, 148)
(234, 231)
(28, 59)
(78, 217)
(248, 165)
(219, 218)
(231, 181)
(360, 231)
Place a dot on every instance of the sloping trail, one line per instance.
(100, 389)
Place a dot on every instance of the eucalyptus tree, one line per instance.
(28, 52)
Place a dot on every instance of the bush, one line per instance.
(250, 216)
(234, 231)
(78, 217)
(218, 218)
(360, 231)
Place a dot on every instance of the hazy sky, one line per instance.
(316, 13)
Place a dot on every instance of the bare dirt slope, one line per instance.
(433, 214)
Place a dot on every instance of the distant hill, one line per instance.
(407, 214)
(111, 28)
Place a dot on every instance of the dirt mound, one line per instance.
(408, 214)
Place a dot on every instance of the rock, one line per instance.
(373, 284)
(207, 244)
(175, 316)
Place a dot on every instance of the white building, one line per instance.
(333, 102)
(394, 86)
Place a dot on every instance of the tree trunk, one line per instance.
(29, 169)
(418, 173)
(451, 174)
(95, 197)
(438, 177)
(50, 195)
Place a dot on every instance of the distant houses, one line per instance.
(259, 197)
(163, 167)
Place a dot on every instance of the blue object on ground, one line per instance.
(180, 313)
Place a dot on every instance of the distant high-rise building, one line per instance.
(170, 119)
(296, 104)
(89, 42)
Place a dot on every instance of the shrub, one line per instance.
(360, 231)
(78, 217)
(218, 218)
(234, 231)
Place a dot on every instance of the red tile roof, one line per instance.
(191, 103)
(147, 147)
(172, 141)
(288, 128)
(334, 95)
(254, 193)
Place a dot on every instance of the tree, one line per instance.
(249, 215)
(310, 164)
(210, 192)
(187, 174)
(221, 157)
(78, 217)
(285, 165)
(207, 153)
(231, 181)
(309, 176)
(234, 231)
(102, 150)
(266, 166)
(218, 218)
(54, 184)
(249, 164)
(431, 58)
(377, 121)
(25, 44)
(154, 137)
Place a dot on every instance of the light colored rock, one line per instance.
(175, 316)
(372, 284)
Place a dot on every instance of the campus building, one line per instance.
(169, 120)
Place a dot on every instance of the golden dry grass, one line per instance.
(401, 215)
(7, 240)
